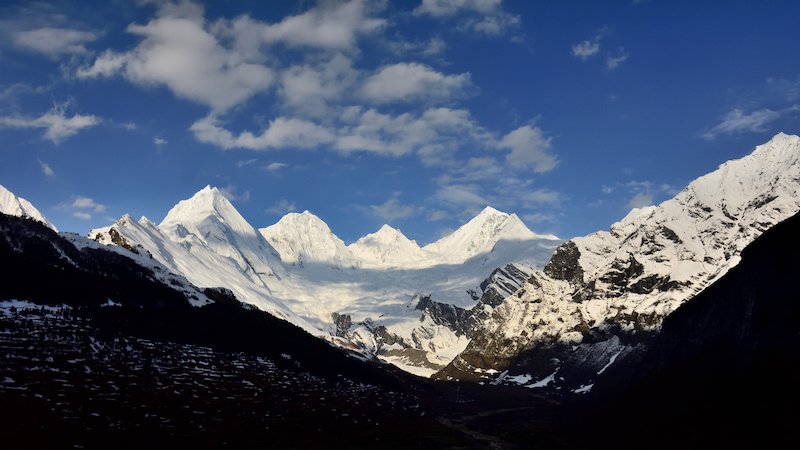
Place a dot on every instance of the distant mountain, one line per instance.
(598, 292)
(16, 206)
(303, 238)
(481, 234)
(364, 296)
(389, 247)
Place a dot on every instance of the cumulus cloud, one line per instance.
(177, 50)
(53, 41)
(406, 82)
(83, 207)
(311, 89)
(55, 123)
(159, 141)
(529, 148)
(737, 121)
(280, 133)
(86, 203)
(332, 26)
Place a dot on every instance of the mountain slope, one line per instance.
(16, 206)
(723, 370)
(626, 280)
(304, 237)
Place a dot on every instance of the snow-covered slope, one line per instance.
(206, 240)
(389, 247)
(481, 234)
(632, 276)
(16, 206)
(302, 238)
(364, 296)
(210, 219)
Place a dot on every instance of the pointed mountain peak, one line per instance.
(207, 202)
(481, 233)
(17, 206)
(303, 237)
(489, 211)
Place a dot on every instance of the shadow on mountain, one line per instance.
(724, 370)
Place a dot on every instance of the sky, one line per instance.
(413, 113)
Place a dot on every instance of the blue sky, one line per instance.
(414, 113)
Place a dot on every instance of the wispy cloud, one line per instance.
(53, 41)
(738, 121)
(57, 125)
(275, 166)
(616, 58)
(392, 209)
(485, 17)
(46, 169)
(233, 194)
(281, 207)
(159, 141)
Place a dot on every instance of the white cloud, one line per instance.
(445, 8)
(281, 133)
(178, 50)
(46, 169)
(275, 166)
(56, 124)
(481, 16)
(586, 49)
(159, 141)
(82, 215)
(310, 89)
(87, 203)
(331, 26)
(246, 162)
(529, 149)
(737, 121)
(53, 41)
(411, 82)
(616, 58)
(392, 209)
(281, 207)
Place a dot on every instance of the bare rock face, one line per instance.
(565, 264)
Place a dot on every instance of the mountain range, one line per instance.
(480, 302)
(677, 309)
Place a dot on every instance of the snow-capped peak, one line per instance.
(208, 218)
(482, 233)
(304, 237)
(388, 246)
(17, 206)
